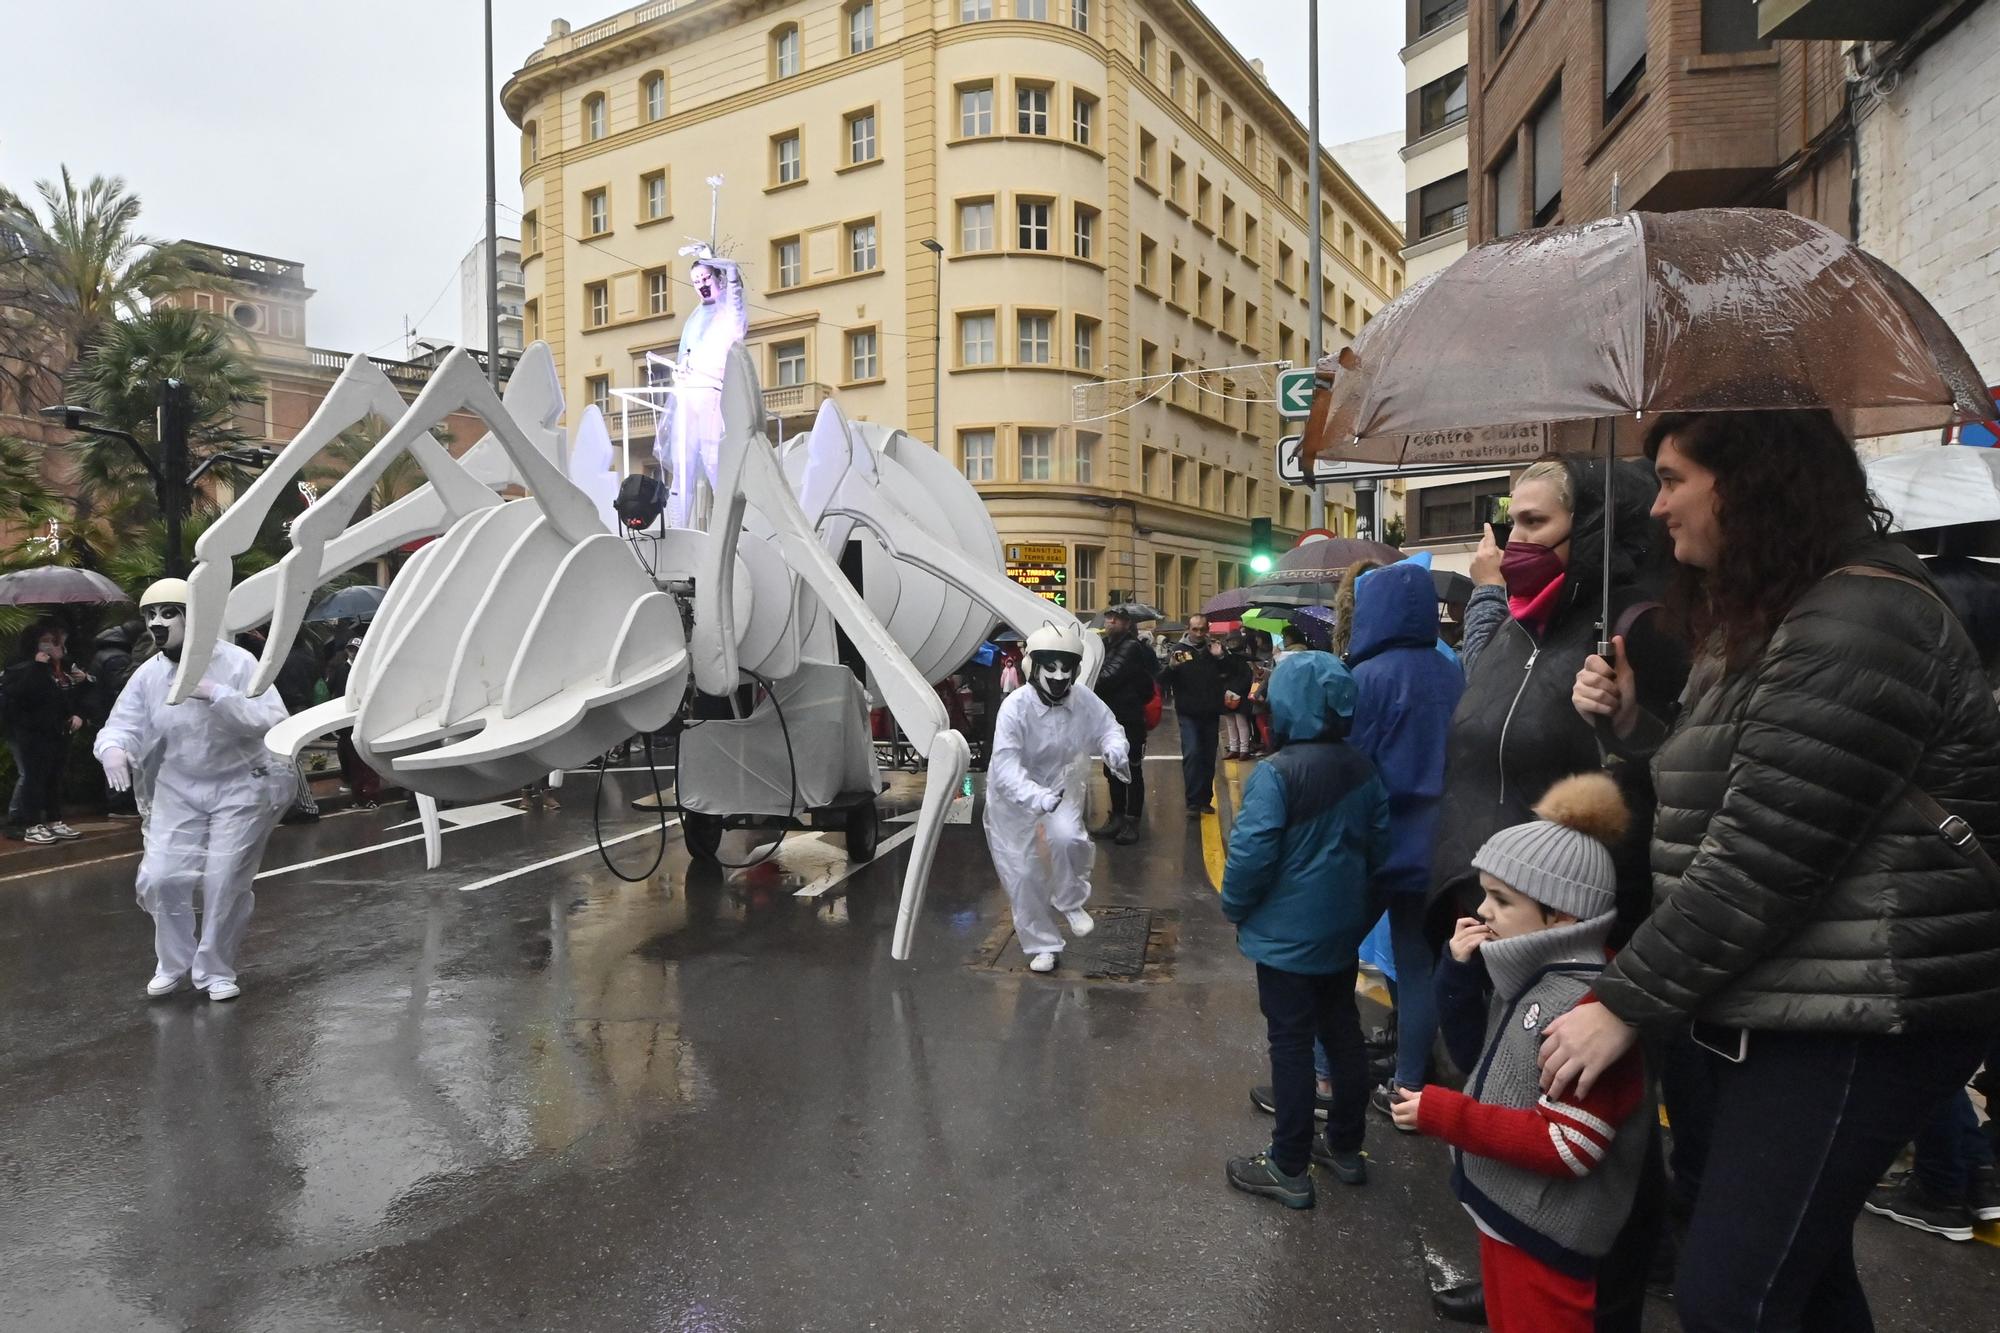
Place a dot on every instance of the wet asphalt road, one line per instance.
(480, 1099)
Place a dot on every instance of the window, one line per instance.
(531, 143)
(1285, 190)
(1079, 15)
(1444, 512)
(1149, 157)
(861, 27)
(1727, 26)
(1548, 140)
(1032, 339)
(1082, 118)
(1032, 9)
(659, 292)
(1190, 585)
(653, 190)
(861, 247)
(1148, 260)
(1146, 45)
(1228, 219)
(1177, 180)
(1507, 195)
(1163, 578)
(1285, 340)
(593, 118)
(1441, 102)
(1032, 224)
(1176, 78)
(1031, 110)
(1085, 352)
(1204, 201)
(1503, 27)
(1038, 455)
(531, 233)
(975, 225)
(1250, 150)
(598, 389)
(790, 360)
(1177, 280)
(787, 159)
(975, 112)
(653, 95)
(975, 340)
(596, 213)
(1083, 241)
(975, 454)
(1252, 326)
(1083, 579)
(791, 271)
(1625, 49)
(1250, 234)
(531, 320)
(861, 137)
(1228, 324)
(785, 51)
(863, 360)
(1347, 316)
(1434, 14)
(974, 11)
(1203, 103)
(597, 296)
(1204, 297)
(1284, 265)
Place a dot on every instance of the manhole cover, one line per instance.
(1129, 944)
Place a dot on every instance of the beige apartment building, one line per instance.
(1114, 191)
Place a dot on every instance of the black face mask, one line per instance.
(1052, 675)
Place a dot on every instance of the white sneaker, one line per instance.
(223, 990)
(1042, 962)
(40, 834)
(64, 831)
(1080, 923)
(162, 984)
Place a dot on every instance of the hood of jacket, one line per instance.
(1312, 698)
(1395, 607)
(1638, 549)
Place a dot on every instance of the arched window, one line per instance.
(1228, 130)
(785, 51)
(1201, 102)
(594, 118)
(1176, 77)
(1250, 149)
(1146, 46)
(653, 97)
(531, 143)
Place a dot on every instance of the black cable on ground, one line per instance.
(660, 801)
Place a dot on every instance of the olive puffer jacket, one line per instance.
(1794, 889)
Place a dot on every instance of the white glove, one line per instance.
(1122, 770)
(117, 769)
(1051, 801)
(206, 692)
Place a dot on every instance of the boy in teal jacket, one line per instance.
(1312, 834)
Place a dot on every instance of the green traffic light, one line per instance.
(1260, 564)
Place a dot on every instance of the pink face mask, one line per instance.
(1529, 569)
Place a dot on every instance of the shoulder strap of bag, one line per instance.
(1630, 617)
(1952, 828)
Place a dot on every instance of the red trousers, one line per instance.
(1525, 1295)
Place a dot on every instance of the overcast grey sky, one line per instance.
(348, 136)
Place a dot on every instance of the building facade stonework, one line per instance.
(1116, 191)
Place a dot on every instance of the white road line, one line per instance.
(889, 843)
(518, 871)
(68, 865)
(342, 856)
(641, 768)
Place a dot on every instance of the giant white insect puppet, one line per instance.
(529, 637)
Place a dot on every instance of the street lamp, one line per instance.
(937, 347)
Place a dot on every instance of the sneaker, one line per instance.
(1984, 1196)
(1042, 962)
(1128, 832)
(1349, 1168)
(1260, 1175)
(1383, 1098)
(40, 834)
(1262, 1099)
(162, 984)
(1908, 1202)
(1208, 807)
(64, 831)
(1080, 923)
(223, 990)
(1110, 828)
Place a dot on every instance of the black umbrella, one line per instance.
(1133, 611)
(349, 604)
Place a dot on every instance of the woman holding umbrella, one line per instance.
(1827, 912)
(45, 703)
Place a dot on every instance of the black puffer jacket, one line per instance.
(1515, 732)
(1125, 680)
(1795, 890)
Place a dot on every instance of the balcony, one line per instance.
(789, 401)
(1843, 20)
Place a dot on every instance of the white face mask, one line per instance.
(168, 626)
(1054, 674)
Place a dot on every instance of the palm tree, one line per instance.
(27, 310)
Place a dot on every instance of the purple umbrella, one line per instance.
(46, 585)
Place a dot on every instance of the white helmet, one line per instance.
(165, 592)
(1056, 639)
(1055, 659)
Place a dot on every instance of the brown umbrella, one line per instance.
(1525, 344)
(1710, 310)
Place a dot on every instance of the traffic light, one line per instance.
(1261, 560)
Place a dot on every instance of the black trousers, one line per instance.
(1298, 1007)
(1803, 1129)
(38, 766)
(1129, 798)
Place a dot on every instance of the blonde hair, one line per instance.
(1343, 604)
(1557, 476)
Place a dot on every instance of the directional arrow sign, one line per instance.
(1295, 394)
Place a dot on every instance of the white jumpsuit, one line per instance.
(690, 434)
(217, 793)
(1035, 745)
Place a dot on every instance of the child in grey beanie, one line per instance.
(1548, 1183)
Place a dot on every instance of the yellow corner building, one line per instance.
(1115, 193)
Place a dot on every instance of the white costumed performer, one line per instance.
(217, 792)
(692, 427)
(1040, 735)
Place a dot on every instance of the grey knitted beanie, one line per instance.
(1563, 859)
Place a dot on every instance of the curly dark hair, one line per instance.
(1793, 498)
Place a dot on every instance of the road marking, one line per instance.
(69, 865)
(890, 843)
(958, 812)
(640, 768)
(518, 871)
(469, 816)
(342, 856)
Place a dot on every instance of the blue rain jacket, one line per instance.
(1313, 830)
(1402, 716)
